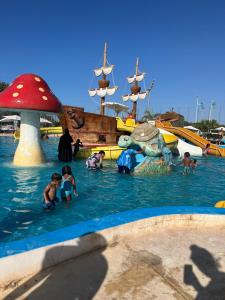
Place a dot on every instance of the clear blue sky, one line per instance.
(181, 44)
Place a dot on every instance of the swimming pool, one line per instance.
(101, 193)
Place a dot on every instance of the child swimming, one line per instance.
(68, 184)
(194, 163)
(186, 163)
(50, 191)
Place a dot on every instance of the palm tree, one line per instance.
(147, 116)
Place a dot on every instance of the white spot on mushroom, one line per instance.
(37, 79)
(41, 89)
(15, 94)
(18, 101)
(44, 98)
(20, 86)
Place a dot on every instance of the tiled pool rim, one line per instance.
(98, 224)
(30, 256)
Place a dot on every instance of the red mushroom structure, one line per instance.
(29, 95)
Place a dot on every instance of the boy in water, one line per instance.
(186, 163)
(50, 191)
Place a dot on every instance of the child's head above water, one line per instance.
(66, 170)
(56, 178)
(102, 153)
(186, 154)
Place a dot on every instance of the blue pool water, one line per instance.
(101, 192)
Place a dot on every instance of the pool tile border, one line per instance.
(98, 224)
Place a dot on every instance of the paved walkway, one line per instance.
(173, 263)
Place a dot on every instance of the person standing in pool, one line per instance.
(68, 186)
(77, 146)
(49, 194)
(126, 160)
(65, 147)
(186, 163)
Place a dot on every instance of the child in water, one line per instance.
(186, 163)
(194, 163)
(50, 191)
(68, 184)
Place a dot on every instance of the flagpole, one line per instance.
(196, 112)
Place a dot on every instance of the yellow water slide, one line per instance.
(49, 130)
(127, 126)
(192, 137)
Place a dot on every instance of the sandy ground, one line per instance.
(173, 263)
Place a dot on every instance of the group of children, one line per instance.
(67, 185)
(66, 182)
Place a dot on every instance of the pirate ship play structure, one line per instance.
(98, 128)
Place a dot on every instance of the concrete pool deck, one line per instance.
(163, 257)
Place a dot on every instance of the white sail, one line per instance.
(111, 91)
(142, 95)
(101, 92)
(92, 93)
(133, 97)
(138, 77)
(98, 72)
(131, 79)
(107, 70)
(125, 98)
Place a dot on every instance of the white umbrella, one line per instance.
(8, 119)
(42, 120)
(191, 128)
(117, 107)
(220, 128)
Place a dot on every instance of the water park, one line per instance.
(108, 204)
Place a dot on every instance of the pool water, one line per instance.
(101, 192)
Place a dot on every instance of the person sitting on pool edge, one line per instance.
(125, 161)
(50, 191)
(94, 161)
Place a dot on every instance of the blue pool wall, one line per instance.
(98, 224)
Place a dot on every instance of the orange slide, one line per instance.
(194, 138)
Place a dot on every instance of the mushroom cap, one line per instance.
(29, 92)
(144, 132)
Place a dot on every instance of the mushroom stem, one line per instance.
(29, 151)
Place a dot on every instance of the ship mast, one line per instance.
(103, 83)
(136, 89)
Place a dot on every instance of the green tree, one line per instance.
(206, 125)
(147, 116)
(3, 85)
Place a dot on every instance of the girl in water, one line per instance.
(68, 184)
